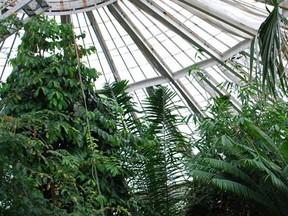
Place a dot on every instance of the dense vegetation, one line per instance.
(59, 142)
(67, 149)
(242, 161)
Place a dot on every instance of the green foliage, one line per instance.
(193, 69)
(243, 158)
(127, 118)
(9, 25)
(65, 150)
(272, 41)
(53, 162)
(157, 176)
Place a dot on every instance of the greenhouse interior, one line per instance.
(144, 107)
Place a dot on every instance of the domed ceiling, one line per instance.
(150, 42)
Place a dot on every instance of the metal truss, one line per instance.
(29, 8)
(75, 6)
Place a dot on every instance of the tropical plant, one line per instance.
(68, 150)
(242, 160)
(59, 140)
(158, 180)
(273, 53)
(9, 25)
(163, 173)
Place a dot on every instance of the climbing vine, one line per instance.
(50, 162)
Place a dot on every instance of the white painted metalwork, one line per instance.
(66, 7)
(151, 42)
(30, 8)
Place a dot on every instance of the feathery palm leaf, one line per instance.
(157, 181)
(118, 92)
(272, 38)
(163, 172)
(241, 190)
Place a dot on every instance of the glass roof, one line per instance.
(150, 42)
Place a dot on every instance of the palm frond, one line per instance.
(163, 172)
(241, 190)
(268, 143)
(118, 92)
(284, 150)
(279, 184)
(203, 176)
(272, 37)
(159, 111)
(226, 167)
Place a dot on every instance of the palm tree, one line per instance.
(246, 158)
(157, 182)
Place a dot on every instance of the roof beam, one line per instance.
(138, 38)
(8, 56)
(73, 7)
(147, 83)
(30, 7)
(180, 74)
(210, 84)
(11, 9)
(236, 49)
(202, 65)
(283, 4)
(227, 13)
(150, 7)
(103, 45)
(213, 21)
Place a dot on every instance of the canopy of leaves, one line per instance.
(53, 162)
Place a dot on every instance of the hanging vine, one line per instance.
(49, 154)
